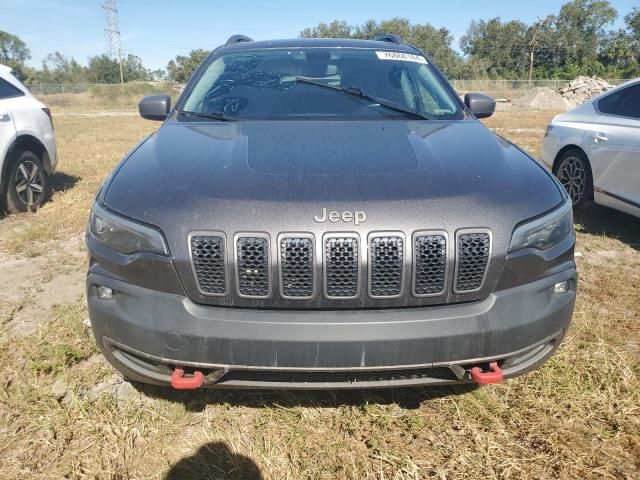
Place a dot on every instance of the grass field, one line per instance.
(64, 413)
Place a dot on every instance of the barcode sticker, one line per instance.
(404, 57)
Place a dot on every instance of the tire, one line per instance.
(27, 183)
(574, 173)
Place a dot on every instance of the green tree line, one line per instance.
(58, 68)
(577, 40)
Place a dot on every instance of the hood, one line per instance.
(189, 171)
(278, 176)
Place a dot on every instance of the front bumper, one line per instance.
(145, 333)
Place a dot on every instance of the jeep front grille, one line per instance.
(430, 264)
(472, 255)
(341, 263)
(337, 267)
(296, 267)
(207, 254)
(386, 266)
(252, 266)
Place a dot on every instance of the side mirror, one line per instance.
(482, 106)
(155, 107)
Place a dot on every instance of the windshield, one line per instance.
(311, 83)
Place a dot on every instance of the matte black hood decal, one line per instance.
(335, 148)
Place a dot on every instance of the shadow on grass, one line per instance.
(597, 220)
(215, 460)
(60, 181)
(408, 398)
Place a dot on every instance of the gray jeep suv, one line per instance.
(327, 214)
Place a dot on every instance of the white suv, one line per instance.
(27, 146)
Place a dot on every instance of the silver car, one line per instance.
(594, 149)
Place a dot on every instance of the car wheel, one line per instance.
(26, 184)
(574, 172)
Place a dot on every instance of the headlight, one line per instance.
(543, 233)
(123, 235)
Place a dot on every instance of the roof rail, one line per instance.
(237, 39)
(389, 37)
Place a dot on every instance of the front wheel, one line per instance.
(26, 184)
(574, 173)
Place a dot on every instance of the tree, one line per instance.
(618, 55)
(335, 29)
(632, 20)
(433, 41)
(581, 25)
(104, 69)
(57, 68)
(13, 52)
(182, 67)
(502, 45)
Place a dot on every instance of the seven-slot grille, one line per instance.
(472, 256)
(252, 266)
(386, 266)
(342, 261)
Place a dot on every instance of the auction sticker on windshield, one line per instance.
(405, 57)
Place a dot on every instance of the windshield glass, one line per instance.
(340, 83)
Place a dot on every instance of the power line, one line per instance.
(112, 31)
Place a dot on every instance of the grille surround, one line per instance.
(326, 265)
(460, 258)
(237, 263)
(314, 265)
(225, 268)
(415, 263)
(371, 262)
(328, 281)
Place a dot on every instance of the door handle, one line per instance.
(600, 137)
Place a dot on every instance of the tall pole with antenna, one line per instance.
(112, 32)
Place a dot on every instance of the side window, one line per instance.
(625, 103)
(8, 91)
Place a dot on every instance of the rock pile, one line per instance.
(582, 88)
(542, 98)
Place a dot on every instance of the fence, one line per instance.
(511, 88)
(59, 88)
(65, 88)
(497, 88)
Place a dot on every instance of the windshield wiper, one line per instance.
(357, 92)
(213, 115)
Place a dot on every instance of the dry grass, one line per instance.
(64, 414)
(98, 97)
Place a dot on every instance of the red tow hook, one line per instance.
(494, 375)
(180, 382)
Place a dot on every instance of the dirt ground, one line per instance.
(64, 413)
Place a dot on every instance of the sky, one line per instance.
(158, 30)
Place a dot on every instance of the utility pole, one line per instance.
(112, 31)
(536, 29)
